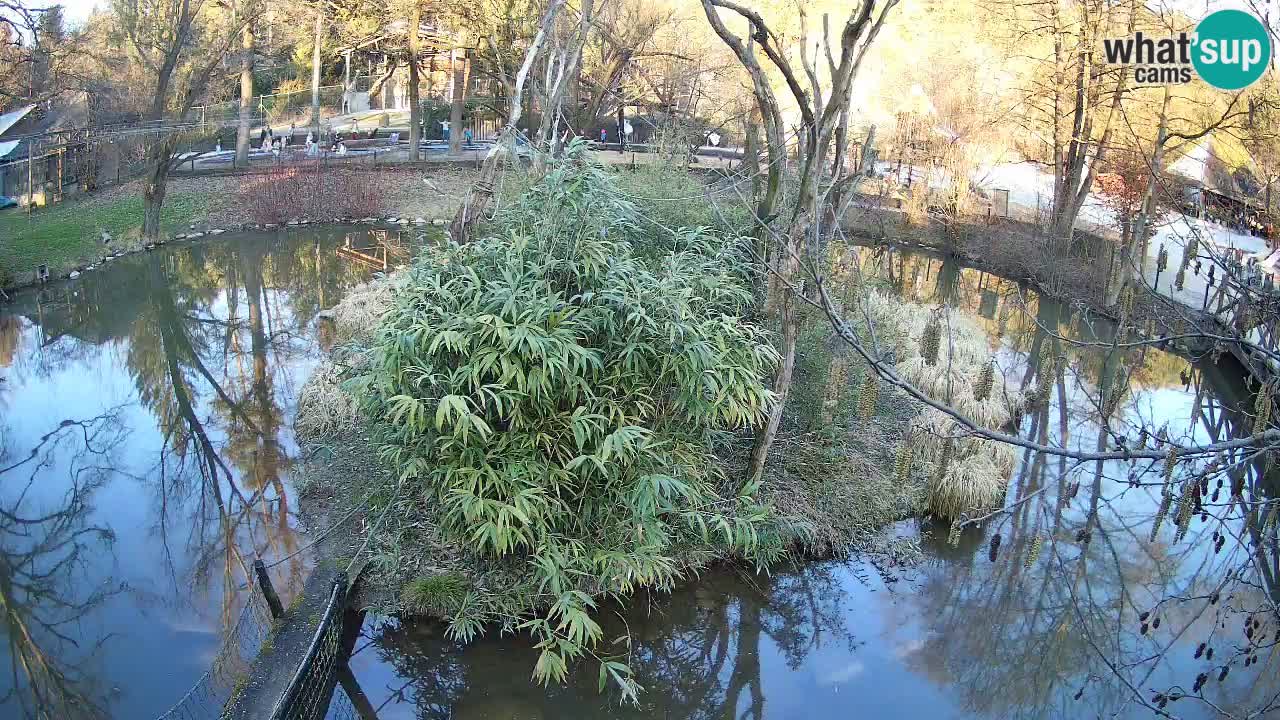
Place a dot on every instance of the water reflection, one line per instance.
(704, 651)
(194, 354)
(1080, 565)
(43, 550)
(1078, 609)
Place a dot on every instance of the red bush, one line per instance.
(354, 194)
(278, 195)
(312, 191)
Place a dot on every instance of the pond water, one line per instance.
(146, 458)
(158, 395)
(1050, 627)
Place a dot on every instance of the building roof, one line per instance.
(10, 119)
(7, 146)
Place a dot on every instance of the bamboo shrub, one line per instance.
(556, 389)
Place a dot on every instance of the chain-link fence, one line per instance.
(63, 163)
(311, 690)
(276, 108)
(241, 644)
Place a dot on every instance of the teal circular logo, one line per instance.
(1231, 49)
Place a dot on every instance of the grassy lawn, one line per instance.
(68, 234)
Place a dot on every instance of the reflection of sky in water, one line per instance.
(864, 629)
(122, 330)
(956, 637)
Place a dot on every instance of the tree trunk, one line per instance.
(415, 108)
(781, 389)
(751, 169)
(788, 265)
(560, 67)
(246, 96)
(153, 189)
(1142, 230)
(315, 73)
(842, 142)
(459, 99)
(751, 151)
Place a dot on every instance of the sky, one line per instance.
(77, 11)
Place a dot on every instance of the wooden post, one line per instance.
(268, 591)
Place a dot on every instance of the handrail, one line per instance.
(285, 707)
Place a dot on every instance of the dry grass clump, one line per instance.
(946, 355)
(970, 476)
(325, 410)
(357, 317)
(902, 324)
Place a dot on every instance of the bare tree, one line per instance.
(561, 65)
(36, 53)
(459, 64)
(625, 30)
(317, 44)
(243, 127)
(180, 43)
(477, 202)
(415, 79)
(1073, 101)
(800, 226)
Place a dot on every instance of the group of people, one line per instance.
(467, 136)
(269, 142)
(1241, 220)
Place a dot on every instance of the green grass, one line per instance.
(68, 234)
(438, 595)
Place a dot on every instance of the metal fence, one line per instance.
(64, 163)
(1000, 203)
(313, 691)
(206, 699)
(276, 108)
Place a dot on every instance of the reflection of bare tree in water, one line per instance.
(1086, 606)
(238, 501)
(213, 333)
(43, 553)
(1121, 585)
(696, 652)
(10, 337)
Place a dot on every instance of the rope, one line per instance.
(369, 536)
(324, 534)
(327, 531)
